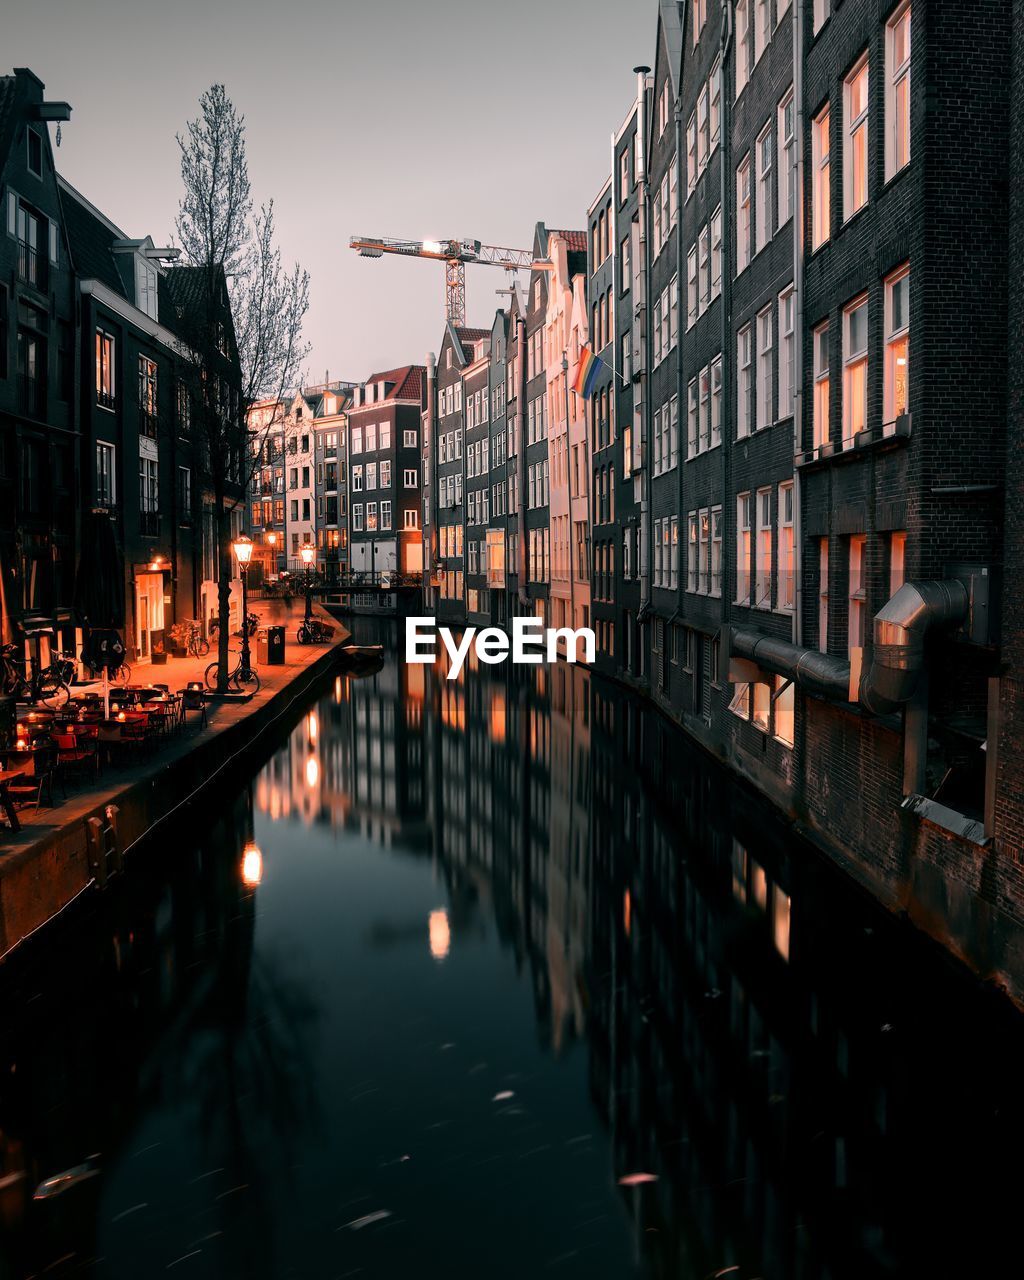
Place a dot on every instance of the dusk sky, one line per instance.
(396, 117)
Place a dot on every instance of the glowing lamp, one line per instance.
(242, 547)
(440, 934)
(308, 553)
(252, 864)
(312, 772)
(272, 538)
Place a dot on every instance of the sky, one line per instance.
(422, 119)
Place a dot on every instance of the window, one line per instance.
(787, 159)
(146, 286)
(822, 8)
(691, 551)
(855, 143)
(700, 16)
(855, 370)
(412, 518)
(897, 92)
(371, 475)
(184, 493)
(787, 352)
(857, 593)
(371, 515)
(763, 551)
(692, 300)
(704, 408)
(357, 479)
(32, 231)
(147, 396)
(821, 408)
(691, 419)
(762, 706)
(663, 109)
(787, 552)
(762, 27)
(104, 369)
(35, 153)
(624, 183)
(385, 475)
(743, 215)
(716, 103)
(184, 409)
(716, 551)
(703, 126)
(409, 439)
(357, 517)
(355, 442)
(823, 594)
(821, 192)
(716, 401)
(105, 477)
(743, 387)
(897, 346)
(149, 489)
(782, 705)
(743, 548)
(691, 153)
(742, 44)
(704, 551)
(764, 368)
(763, 159)
(704, 266)
(716, 252)
(385, 514)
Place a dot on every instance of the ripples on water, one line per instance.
(497, 978)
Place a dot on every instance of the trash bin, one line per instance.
(270, 647)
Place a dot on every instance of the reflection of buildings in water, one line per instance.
(355, 760)
(103, 1020)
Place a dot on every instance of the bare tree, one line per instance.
(240, 314)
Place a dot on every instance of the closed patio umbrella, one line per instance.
(99, 584)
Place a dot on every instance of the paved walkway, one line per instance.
(46, 824)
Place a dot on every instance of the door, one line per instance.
(143, 623)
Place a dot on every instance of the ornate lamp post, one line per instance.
(242, 547)
(308, 553)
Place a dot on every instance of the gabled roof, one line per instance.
(670, 28)
(405, 383)
(91, 238)
(8, 89)
(575, 241)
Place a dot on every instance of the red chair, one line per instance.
(75, 756)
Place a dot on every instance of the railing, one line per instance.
(105, 399)
(32, 265)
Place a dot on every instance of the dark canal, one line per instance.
(497, 978)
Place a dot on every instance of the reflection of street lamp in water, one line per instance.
(252, 864)
(440, 934)
(312, 772)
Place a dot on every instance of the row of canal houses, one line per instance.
(95, 413)
(802, 281)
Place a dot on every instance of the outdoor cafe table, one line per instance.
(6, 803)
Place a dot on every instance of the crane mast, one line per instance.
(454, 254)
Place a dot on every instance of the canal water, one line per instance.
(497, 977)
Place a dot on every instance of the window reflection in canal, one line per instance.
(493, 977)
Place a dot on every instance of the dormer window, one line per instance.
(146, 286)
(35, 153)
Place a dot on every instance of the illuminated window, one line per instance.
(855, 370)
(821, 193)
(855, 143)
(821, 407)
(897, 346)
(897, 92)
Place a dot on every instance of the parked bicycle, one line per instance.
(120, 674)
(196, 644)
(252, 624)
(313, 631)
(42, 685)
(243, 678)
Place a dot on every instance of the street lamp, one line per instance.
(308, 553)
(252, 865)
(242, 547)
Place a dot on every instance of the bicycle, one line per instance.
(120, 675)
(243, 678)
(313, 631)
(45, 685)
(196, 644)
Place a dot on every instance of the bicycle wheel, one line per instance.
(122, 675)
(54, 693)
(302, 635)
(246, 681)
(202, 647)
(210, 675)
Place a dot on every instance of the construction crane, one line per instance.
(454, 254)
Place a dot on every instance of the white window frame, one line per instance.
(785, 540)
(743, 214)
(744, 545)
(765, 358)
(820, 413)
(763, 550)
(744, 389)
(786, 152)
(716, 252)
(897, 95)
(821, 181)
(856, 138)
(856, 592)
(742, 45)
(787, 352)
(897, 351)
(855, 373)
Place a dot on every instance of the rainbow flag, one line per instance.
(586, 372)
